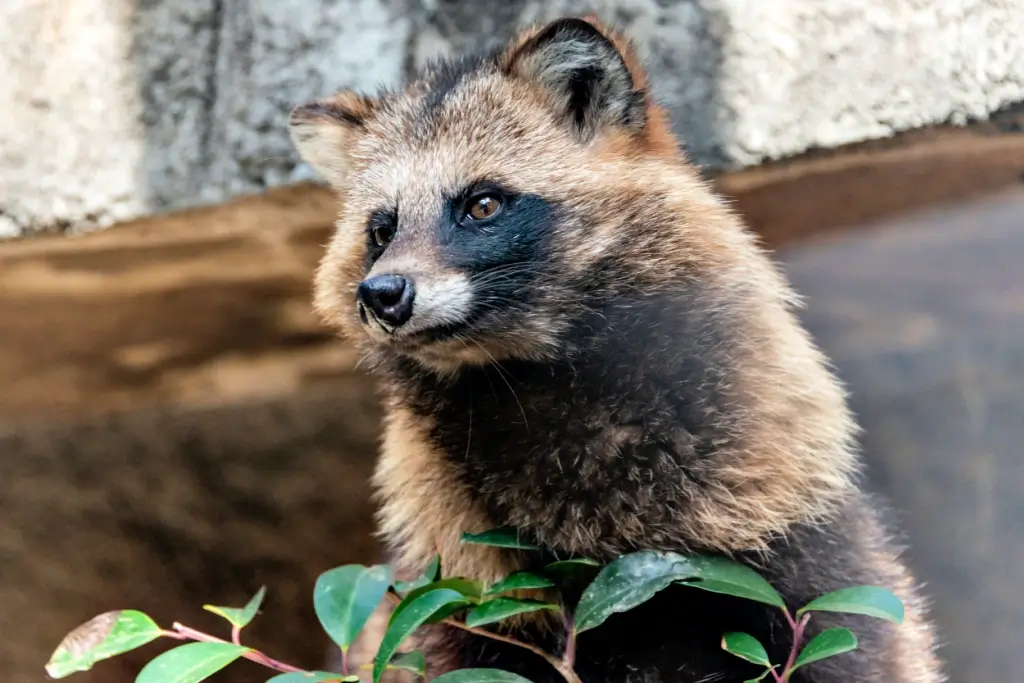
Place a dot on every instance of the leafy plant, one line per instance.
(345, 597)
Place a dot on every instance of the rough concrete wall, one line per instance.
(116, 108)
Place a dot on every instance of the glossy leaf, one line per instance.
(480, 676)
(240, 617)
(429, 575)
(313, 677)
(345, 597)
(627, 582)
(502, 537)
(104, 636)
(519, 581)
(417, 612)
(722, 575)
(471, 590)
(746, 646)
(872, 601)
(190, 663)
(503, 608)
(828, 643)
(414, 661)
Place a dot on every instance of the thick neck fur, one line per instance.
(644, 433)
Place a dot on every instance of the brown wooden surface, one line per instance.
(924, 318)
(824, 192)
(189, 309)
(212, 304)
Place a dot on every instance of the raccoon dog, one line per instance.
(576, 338)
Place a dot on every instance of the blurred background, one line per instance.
(176, 428)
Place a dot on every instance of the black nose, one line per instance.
(389, 298)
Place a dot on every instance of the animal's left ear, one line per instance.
(324, 131)
(584, 73)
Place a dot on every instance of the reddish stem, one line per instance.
(344, 661)
(236, 634)
(182, 632)
(798, 636)
(569, 656)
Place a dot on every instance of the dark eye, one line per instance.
(382, 234)
(483, 206)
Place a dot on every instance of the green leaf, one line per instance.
(417, 612)
(313, 677)
(429, 575)
(746, 646)
(627, 582)
(872, 601)
(722, 575)
(240, 618)
(503, 608)
(190, 663)
(471, 590)
(833, 641)
(502, 537)
(104, 636)
(480, 676)
(414, 661)
(519, 581)
(345, 597)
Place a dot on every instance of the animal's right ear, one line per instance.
(323, 132)
(584, 69)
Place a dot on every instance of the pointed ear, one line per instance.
(585, 74)
(323, 132)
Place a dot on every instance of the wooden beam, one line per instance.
(194, 308)
(857, 185)
(211, 305)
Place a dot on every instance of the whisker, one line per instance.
(497, 366)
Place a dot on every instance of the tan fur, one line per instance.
(424, 509)
(913, 643)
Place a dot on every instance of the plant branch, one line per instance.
(798, 636)
(236, 635)
(569, 656)
(565, 669)
(182, 632)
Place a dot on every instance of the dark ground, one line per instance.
(924, 318)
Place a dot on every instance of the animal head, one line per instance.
(497, 197)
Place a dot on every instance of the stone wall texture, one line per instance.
(119, 108)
